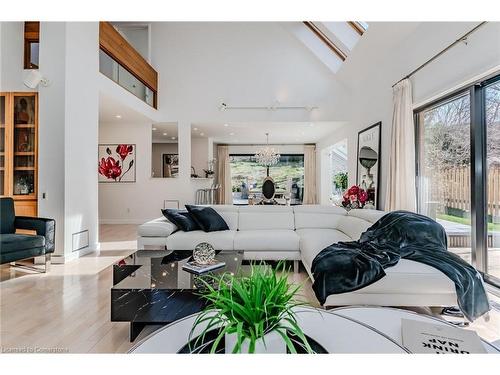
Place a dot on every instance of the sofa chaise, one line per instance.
(299, 233)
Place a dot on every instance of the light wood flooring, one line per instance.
(68, 309)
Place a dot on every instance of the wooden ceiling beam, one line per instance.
(357, 27)
(324, 38)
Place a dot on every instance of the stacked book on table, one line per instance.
(197, 268)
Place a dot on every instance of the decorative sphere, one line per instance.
(204, 253)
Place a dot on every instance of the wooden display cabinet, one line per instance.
(19, 150)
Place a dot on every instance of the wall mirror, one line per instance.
(164, 150)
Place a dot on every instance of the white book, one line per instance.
(197, 268)
(422, 337)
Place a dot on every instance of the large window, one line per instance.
(247, 177)
(458, 168)
(492, 112)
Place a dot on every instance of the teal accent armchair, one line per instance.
(14, 246)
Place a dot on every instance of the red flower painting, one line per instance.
(124, 150)
(115, 165)
(110, 168)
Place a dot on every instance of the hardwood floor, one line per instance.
(68, 309)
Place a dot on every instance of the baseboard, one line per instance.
(62, 259)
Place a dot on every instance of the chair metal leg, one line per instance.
(48, 262)
(295, 266)
(36, 269)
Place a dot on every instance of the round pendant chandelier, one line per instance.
(267, 156)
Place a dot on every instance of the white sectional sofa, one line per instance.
(299, 233)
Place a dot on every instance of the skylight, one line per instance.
(331, 42)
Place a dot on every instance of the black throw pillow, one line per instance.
(207, 218)
(182, 219)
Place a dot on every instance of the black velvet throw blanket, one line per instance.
(348, 266)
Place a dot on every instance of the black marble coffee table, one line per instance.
(150, 287)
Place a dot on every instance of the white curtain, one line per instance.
(310, 196)
(224, 175)
(401, 192)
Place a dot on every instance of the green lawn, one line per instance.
(462, 220)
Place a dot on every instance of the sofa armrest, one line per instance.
(160, 227)
(43, 227)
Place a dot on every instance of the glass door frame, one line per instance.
(479, 172)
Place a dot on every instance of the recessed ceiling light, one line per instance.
(311, 124)
(118, 116)
(226, 125)
(165, 133)
(195, 129)
(231, 133)
(154, 128)
(202, 134)
(173, 137)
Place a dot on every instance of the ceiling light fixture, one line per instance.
(173, 137)
(154, 128)
(195, 129)
(118, 116)
(267, 156)
(165, 133)
(231, 133)
(274, 107)
(226, 125)
(202, 134)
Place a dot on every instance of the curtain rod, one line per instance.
(463, 38)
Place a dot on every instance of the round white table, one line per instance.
(344, 330)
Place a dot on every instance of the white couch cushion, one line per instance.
(411, 277)
(221, 240)
(311, 216)
(266, 240)
(160, 227)
(229, 213)
(369, 215)
(312, 241)
(265, 217)
(353, 226)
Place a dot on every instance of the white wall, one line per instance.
(200, 64)
(51, 137)
(81, 131)
(12, 57)
(370, 98)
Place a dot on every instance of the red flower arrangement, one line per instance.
(112, 167)
(354, 197)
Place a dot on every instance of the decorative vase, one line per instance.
(204, 253)
(271, 343)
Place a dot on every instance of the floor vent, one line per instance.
(80, 240)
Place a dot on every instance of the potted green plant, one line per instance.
(254, 314)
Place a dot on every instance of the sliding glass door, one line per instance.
(444, 166)
(458, 171)
(492, 112)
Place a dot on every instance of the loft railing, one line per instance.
(119, 61)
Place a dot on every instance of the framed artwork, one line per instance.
(368, 162)
(116, 163)
(170, 163)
